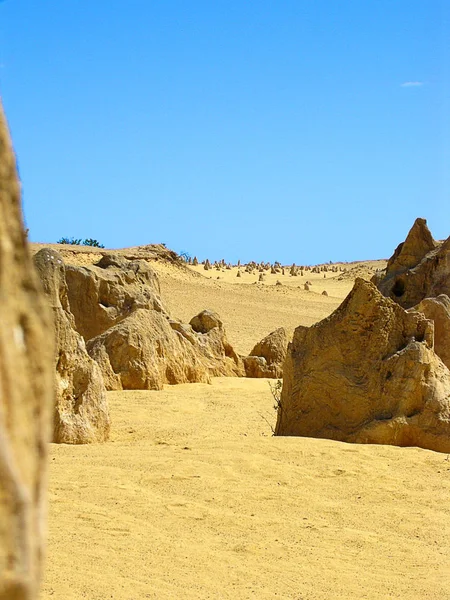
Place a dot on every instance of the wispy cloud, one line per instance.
(412, 84)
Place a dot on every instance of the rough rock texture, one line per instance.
(419, 268)
(104, 294)
(81, 410)
(409, 253)
(147, 350)
(368, 374)
(438, 309)
(26, 394)
(267, 357)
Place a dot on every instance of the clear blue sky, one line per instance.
(290, 130)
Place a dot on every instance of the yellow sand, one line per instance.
(194, 499)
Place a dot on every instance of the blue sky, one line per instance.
(291, 130)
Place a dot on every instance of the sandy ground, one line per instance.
(194, 499)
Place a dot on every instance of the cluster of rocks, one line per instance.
(377, 369)
(113, 332)
(275, 268)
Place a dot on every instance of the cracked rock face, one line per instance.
(26, 394)
(368, 374)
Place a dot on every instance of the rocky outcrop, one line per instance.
(147, 350)
(409, 253)
(367, 374)
(267, 357)
(419, 268)
(214, 345)
(26, 395)
(104, 294)
(438, 310)
(81, 410)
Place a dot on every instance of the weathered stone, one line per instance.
(367, 374)
(438, 310)
(81, 409)
(205, 321)
(147, 350)
(26, 394)
(104, 294)
(418, 269)
(267, 357)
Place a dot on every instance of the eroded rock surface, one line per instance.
(438, 310)
(104, 294)
(367, 374)
(267, 357)
(26, 394)
(81, 409)
(418, 269)
(147, 350)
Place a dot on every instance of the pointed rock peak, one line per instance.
(409, 253)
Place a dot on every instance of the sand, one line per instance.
(193, 498)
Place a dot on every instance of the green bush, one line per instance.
(94, 243)
(80, 242)
(71, 241)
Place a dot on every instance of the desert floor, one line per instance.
(193, 498)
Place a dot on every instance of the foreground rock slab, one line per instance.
(26, 395)
(367, 374)
(81, 409)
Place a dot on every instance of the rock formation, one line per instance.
(438, 310)
(147, 350)
(267, 357)
(367, 374)
(26, 394)
(81, 410)
(419, 268)
(102, 295)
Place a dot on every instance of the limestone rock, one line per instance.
(147, 350)
(267, 357)
(419, 268)
(205, 321)
(367, 374)
(26, 394)
(438, 310)
(143, 352)
(409, 253)
(104, 294)
(81, 410)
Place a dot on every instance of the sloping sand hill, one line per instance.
(194, 499)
